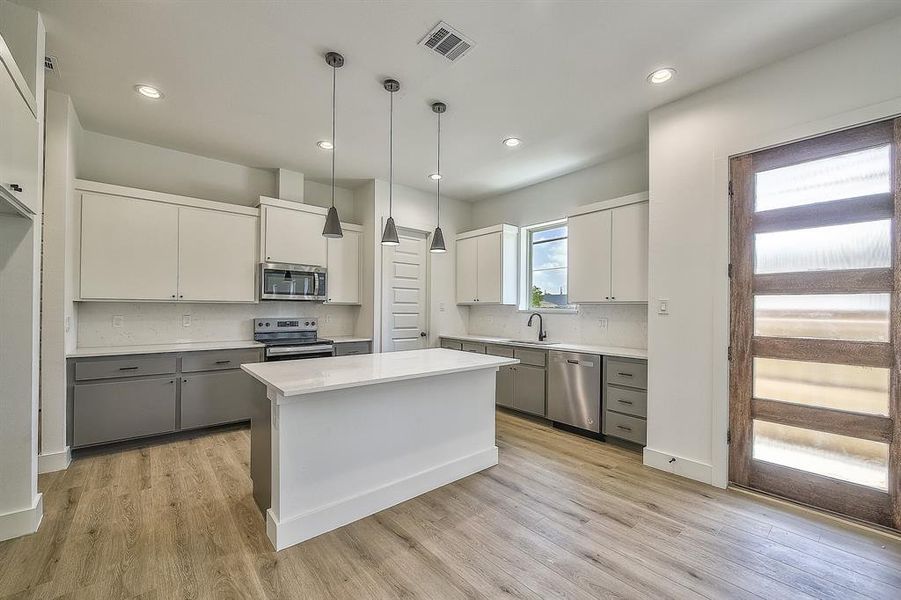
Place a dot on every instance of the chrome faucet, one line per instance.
(542, 334)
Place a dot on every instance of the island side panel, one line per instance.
(261, 449)
(346, 454)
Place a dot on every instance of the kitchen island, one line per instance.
(352, 435)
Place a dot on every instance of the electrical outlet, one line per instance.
(602, 323)
(186, 320)
(328, 318)
(442, 307)
(118, 321)
(662, 306)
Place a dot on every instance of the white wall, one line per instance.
(20, 282)
(125, 162)
(547, 201)
(320, 194)
(840, 84)
(57, 291)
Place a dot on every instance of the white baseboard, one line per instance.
(54, 461)
(294, 530)
(680, 466)
(22, 522)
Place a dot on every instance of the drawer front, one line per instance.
(632, 374)
(214, 398)
(495, 350)
(217, 360)
(110, 411)
(349, 348)
(474, 347)
(451, 344)
(536, 358)
(630, 402)
(625, 427)
(124, 366)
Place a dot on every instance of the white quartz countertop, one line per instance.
(347, 339)
(158, 348)
(312, 375)
(563, 346)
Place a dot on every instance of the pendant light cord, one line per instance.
(391, 156)
(334, 78)
(438, 181)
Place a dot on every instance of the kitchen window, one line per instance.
(545, 275)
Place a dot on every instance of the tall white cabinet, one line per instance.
(486, 265)
(19, 133)
(140, 245)
(343, 266)
(607, 256)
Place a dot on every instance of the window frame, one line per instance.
(526, 271)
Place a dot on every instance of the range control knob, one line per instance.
(313, 323)
(267, 324)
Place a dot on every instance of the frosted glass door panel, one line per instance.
(858, 317)
(863, 462)
(848, 175)
(838, 247)
(842, 387)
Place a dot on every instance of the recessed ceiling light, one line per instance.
(435, 176)
(512, 142)
(661, 75)
(325, 144)
(148, 91)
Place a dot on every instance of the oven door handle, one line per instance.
(282, 350)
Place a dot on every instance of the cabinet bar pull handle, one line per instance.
(624, 428)
(624, 401)
(222, 362)
(572, 362)
(128, 368)
(625, 374)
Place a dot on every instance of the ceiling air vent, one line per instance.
(447, 41)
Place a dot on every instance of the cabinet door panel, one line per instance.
(529, 389)
(489, 284)
(223, 397)
(294, 236)
(630, 253)
(216, 256)
(467, 270)
(106, 412)
(129, 248)
(343, 277)
(588, 257)
(504, 387)
(19, 147)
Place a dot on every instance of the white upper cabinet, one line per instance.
(293, 234)
(216, 256)
(486, 266)
(19, 132)
(607, 258)
(343, 268)
(129, 248)
(140, 245)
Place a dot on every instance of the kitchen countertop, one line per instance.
(301, 377)
(160, 348)
(563, 346)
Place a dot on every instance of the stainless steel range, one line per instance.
(291, 338)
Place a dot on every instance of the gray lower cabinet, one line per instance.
(626, 399)
(215, 398)
(451, 344)
(503, 395)
(116, 398)
(529, 389)
(119, 410)
(351, 348)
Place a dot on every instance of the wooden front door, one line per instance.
(815, 414)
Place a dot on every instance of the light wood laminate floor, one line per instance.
(560, 517)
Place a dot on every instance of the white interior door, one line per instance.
(405, 293)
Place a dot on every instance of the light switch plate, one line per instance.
(602, 323)
(186, 320)
(662, 306)
(118, 321)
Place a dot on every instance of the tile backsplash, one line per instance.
(130, 323)
(626, 324)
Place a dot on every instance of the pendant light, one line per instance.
(438, 236)
(389, 236)
(332, 227)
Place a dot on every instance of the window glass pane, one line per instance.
(834, 178)
(549, 289)
(842, 387)
(837, 247)
(837, 456)
(548, 255)
(860, 317)
(549, 234)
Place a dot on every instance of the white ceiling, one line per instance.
(246, 82)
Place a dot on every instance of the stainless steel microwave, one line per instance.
(283, 281)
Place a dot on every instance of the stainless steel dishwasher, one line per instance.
(574, 389)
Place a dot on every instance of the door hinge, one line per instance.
(728, 436)
(729, 353)
(729, 271)
(731, 190)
